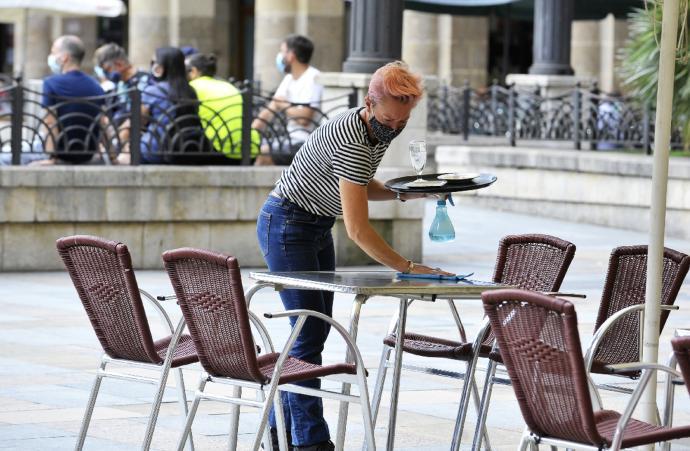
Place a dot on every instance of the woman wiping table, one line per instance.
(333, 175)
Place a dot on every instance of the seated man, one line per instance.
(70, 127)
(220, 109)
(111, 62)
(298, 87)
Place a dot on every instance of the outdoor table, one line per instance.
(363, 285)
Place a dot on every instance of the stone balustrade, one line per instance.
(605, 188)
(155, 208)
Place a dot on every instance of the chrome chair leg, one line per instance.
(90, 406)
(280, 423)
(484, 405)
(192, 412)
(267, 401)
(477, 405)
(182, 401)
(367, 419)
(155, 409)
(234, 419)
(380, 382)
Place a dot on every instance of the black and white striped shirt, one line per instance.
(340, 148)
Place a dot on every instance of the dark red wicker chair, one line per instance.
(617, 332)
(533, 262)
(540, 345)
(102, 274)
(681, 350)
(209, 290)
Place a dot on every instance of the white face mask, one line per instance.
(54, 64)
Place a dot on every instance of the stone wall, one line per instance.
(608, 189)
(155, 208)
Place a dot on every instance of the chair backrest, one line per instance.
(540, 345)
(533, 262)
(681, 348)
(209, 290)
(626, 282)
(101, 271)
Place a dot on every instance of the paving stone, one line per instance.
(49, 353)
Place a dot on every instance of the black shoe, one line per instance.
(323, 446)
(274, 440)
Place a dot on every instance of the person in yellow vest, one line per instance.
(220, 108)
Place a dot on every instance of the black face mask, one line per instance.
(383, 133)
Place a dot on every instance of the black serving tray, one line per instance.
(452, 186)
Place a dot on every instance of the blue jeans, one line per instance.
(292, 239)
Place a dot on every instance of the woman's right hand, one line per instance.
(423, 269)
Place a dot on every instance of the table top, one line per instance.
(373, 283)
(682, 332)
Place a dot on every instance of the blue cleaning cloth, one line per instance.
(458, 277)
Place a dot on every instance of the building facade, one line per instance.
(246, 34)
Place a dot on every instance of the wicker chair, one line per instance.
(209, 290)
(617, 329)
(540, 345)
(681, 350)
(534, 262)
(617, 332)
(102, 274)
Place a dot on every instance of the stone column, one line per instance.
(273, 21)
(38, 42)
(375, 35)
(552, 22)
(612, 37)
(585, 48)
(463, 50)
(87, 29)
(148, 29)
(322, 21)
(420, 42)
(227, 51)
(195, 25)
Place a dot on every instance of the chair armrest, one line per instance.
(304, 313)
(171, 297)
(648, 370)
(249, 294)
(159, 309)
(263, 333)
(606, 325)
(641, 366)
(560, 294)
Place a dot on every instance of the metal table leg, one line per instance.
(397, 367)
(359, 300)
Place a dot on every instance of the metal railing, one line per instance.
(96, 130)
(581, 116)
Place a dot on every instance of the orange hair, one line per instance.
(397, 81)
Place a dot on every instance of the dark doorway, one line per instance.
(114, 29)
(6, 48)
(241, 36)
(510, 46)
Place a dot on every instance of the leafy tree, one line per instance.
(639, 68)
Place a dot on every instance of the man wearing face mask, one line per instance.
(111, 63)
(296, 97)
(67, 124)
(333, 175)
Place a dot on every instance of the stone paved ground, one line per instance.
(48, 353)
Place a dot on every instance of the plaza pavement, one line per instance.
(49, 353)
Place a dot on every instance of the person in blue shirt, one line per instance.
(70, 128)
(170, 103)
